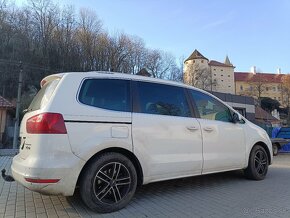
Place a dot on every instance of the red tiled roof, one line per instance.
(258, 77)
(218, 64)
(4, 103)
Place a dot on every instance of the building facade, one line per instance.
(259, 85)
(208, 74)
(215, 76)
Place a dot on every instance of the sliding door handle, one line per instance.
(192, 128)
(208, 129)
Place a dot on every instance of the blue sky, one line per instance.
(249, 32)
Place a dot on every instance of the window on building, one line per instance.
(229, 75)
(267, 88)
(193, 61)
(274, 88)
(214, 69)
(275, 98)
(222, 70)
(222, 75)
(279, 98)
(201, 61)
(214, 74)
(241, 88)
(229, 86)
(222, 80)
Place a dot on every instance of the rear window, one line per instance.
(110, 94)
(43, 96)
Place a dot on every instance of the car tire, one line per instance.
(258, 164)
(275, 149)
(108, 182)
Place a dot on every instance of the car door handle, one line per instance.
(192, 128)
(208, 129)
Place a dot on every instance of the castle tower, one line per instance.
(223, 76)
(196, 61)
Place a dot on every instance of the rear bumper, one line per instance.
(67, 173)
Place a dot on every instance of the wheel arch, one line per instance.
(131, 156)
(266, 149)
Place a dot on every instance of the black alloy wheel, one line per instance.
(112, 183)
(258, 164)
(108, 182)
(261, 162)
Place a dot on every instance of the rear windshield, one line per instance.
(43, 96)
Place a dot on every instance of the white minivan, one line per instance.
(106, 133)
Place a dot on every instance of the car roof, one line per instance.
(108, 74)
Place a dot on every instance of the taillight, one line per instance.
(46, 123)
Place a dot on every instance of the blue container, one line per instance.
(285, 148)
(284, 133)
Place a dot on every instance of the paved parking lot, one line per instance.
(218, 195)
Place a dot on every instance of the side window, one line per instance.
(162, 99)
(210, 108)
(111, 94)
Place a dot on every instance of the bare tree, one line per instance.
(175, 74)
(257, 86)
(159, 63)
(3, 11)
(120, 47)
(64, 40)
(200, 77)
(102, 51)
(48, 39)
(137, 55)
(44, 21)
(89, 28)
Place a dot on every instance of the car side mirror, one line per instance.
(236, 118)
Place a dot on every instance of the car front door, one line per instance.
(166, 138)
(223, 141)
